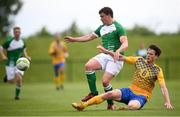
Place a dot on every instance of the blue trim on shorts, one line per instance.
(57, 67)
(128, 95)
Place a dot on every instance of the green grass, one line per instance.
(42, 99)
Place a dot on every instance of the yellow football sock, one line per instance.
(56, 81)
(61, 79)
(95, 100)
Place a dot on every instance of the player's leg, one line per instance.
(18, 86)
(133, 101)
(18, 77)
(56, 76)
(90, 68)
(5, 79)
(137, 102)
(61, 75)
(107, 77)
(113, 95)
(134, 105)
(112, 69)
(10, 72)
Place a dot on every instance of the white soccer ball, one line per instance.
(22, 64)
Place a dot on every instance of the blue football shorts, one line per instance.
(128, 95)
(57, 67)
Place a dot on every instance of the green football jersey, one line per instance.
(110, 35)
(14, 50)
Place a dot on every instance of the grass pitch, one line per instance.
(41, 99)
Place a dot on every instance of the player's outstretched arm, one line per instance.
(84, 38)
(26, 54)
(4, 57)
(165, 93)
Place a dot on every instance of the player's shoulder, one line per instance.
(157, 66)
(8, 41)
(63, 43)
(53, 43)
(22, 39)
(117, 24)
(101, 26)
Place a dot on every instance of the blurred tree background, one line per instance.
(8, 9)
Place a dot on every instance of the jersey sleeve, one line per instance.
(51, 48)
(160, 77)
(121, 31)
(97, 31)
(6, 43)
(131, 59)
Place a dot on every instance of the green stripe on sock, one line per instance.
(110, 102)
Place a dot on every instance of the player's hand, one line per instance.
(168, 105)
(116, 56)
(69, 39)
(104, 50)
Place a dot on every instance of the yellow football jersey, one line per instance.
(145, 76)
(57, 51)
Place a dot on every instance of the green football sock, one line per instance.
(106, 89)
(18, 89)
(91, 77)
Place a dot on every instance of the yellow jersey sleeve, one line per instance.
(131, 59)
(51, 48)
(160, 77)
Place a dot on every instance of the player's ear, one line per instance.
(156, 57)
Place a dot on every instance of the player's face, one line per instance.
(17, 33)
(151, 56)
(104, 18)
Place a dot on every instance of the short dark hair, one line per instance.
(16, 27)
(156, 49)
(107, 11)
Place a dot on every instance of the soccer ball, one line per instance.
(22, 64)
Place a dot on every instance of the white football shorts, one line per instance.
(11, 71)
(108, 64)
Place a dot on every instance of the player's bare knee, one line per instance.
(105, 83)
(134, 105)
(88, 67)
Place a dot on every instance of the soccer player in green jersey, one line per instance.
(15, 48)
(113, 39)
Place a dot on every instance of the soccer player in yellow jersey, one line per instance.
(145, 75)
(58, 51)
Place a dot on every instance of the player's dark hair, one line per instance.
(107, 11)
(156, 49)
(16, 27)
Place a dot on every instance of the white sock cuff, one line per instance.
(108, 87)
(18, 87)
(90, 72)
